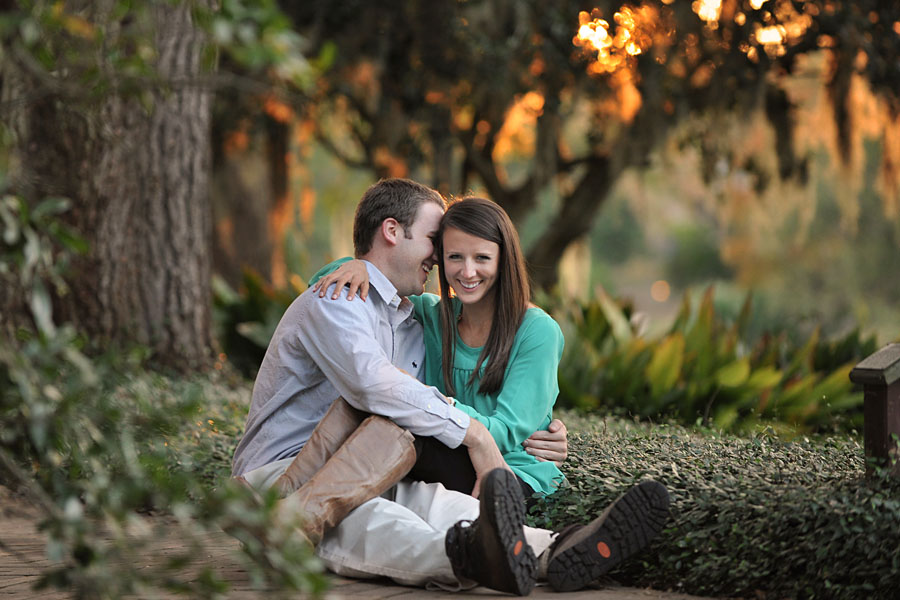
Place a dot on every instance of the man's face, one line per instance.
(415, 250)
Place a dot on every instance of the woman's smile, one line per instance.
(471, 264)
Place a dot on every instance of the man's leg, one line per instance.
(336, 426)
(384, 538)
(288, 474)
(403, 534)
(370, 461)
(264, 477)
(374, 458)
(442, 508)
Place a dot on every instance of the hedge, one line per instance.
(754, 517)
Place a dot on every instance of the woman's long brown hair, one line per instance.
(486, 220)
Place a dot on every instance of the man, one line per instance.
(412, 532)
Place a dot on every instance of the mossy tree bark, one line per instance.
(135, 164)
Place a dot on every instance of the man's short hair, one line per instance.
(398, 199)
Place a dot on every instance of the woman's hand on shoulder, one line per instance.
(352, 273)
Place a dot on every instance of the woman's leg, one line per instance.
(436, 463)
(452, 467)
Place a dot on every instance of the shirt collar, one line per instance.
(386, 289)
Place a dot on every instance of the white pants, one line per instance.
(400, 534)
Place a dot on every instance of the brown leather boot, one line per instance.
(581, 554)
(332, 431)
(376, 456)
(491, 550)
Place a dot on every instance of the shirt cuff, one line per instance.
(455, 429)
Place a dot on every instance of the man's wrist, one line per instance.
(475, 434)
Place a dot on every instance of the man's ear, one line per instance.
(391, 230)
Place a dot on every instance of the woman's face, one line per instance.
(471, 265)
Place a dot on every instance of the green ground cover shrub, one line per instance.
(750, 517)
(754, 516)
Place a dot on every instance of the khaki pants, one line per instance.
(399, 535)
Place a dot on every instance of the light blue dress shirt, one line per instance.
(323, 349)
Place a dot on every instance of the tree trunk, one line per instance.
(138, 180)
(249, 185)
(574, 220)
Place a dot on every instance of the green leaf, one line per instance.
(256, 332)
(223, 293)
(42, 309)
(764, 378)
(743, 320)
(734, 374)
(50, 207)
(699, 338)
(665, 366)
(620, 327)
(803, 359)
(836, 388)
(725, 417)
(11, 229)
(326, 57)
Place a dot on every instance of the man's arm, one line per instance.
(341, 338)
(483, 453)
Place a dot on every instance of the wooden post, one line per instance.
(879, 375)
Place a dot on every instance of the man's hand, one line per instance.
(483, 452)
(551, 445)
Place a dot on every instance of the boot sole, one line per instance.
(502, 518)
(630, 523)
(505, 502)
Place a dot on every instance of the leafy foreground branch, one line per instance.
(111, 455)
(97, 450)
(751, 517)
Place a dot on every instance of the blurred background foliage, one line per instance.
(725, 170)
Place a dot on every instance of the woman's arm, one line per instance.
(529, 387)
(551, 444)
(353, 273)
(344, 271)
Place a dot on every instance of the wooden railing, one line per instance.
(879, 374)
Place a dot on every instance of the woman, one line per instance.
(486, 345)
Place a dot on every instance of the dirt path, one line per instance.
(23, 558)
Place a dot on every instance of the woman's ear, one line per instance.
(391, 230)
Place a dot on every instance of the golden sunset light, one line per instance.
(633, 35)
